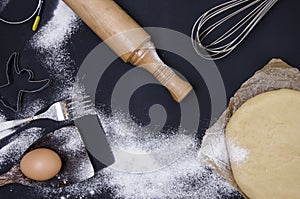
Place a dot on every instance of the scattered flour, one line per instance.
(31, 107)
(3, 4)
(237, 154)
(124, 133)
(6, 133)
(185, 177)
(71, 144)
(18, 144)
(2, 117)
(51, 39)
(3, 134)
(71, 139)
(214, 147)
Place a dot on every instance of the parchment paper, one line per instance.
(275, 75)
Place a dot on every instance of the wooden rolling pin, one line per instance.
(129, 41)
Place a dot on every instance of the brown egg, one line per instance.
(40, 164)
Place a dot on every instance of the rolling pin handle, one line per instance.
(147, 58)
(129, 41)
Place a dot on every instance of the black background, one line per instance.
(276, 36)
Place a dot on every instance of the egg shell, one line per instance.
(41, 164)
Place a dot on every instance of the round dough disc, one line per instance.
(263, 141)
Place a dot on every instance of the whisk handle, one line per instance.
(129, 41)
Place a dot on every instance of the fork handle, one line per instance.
(14, 123)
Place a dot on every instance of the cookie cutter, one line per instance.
(38, 85)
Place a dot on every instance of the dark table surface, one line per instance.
(277, 36)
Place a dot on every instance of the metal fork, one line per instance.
(68, 109)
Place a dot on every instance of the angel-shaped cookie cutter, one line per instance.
(13, 71)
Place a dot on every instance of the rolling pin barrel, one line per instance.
(129, 41)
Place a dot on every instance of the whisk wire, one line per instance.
(212, 51)
(217, 24)
(252, 15)
(241, 23)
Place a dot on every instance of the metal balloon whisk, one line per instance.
(214, 20)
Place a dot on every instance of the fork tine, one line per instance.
(79, 103)
(81, 108)
(82, 111)
(77, 99)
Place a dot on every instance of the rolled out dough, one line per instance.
(265, 130)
